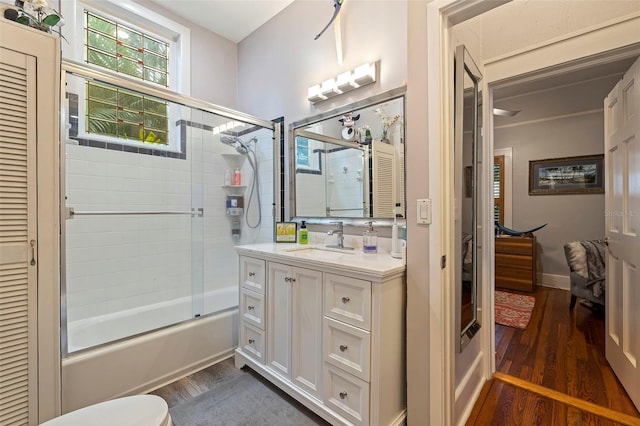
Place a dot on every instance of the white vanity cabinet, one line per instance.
(331, 332)
(294, 330)
(252, 307)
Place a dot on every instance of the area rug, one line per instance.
(513, 310)
(245, 401)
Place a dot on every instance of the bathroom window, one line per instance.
(124, 37)
(119, 48)
(116, 112)
(126, 115)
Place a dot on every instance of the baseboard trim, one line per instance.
(561, 282)
(572, 401)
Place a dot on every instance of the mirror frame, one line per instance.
(297, 126)
(464, 64)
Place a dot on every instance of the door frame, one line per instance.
(592, 45)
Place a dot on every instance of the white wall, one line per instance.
(280, 60)
(214, 62)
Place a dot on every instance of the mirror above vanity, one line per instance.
(348, 163)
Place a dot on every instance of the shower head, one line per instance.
(235, 142)
(241, 147)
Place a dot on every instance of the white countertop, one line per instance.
(379, 264)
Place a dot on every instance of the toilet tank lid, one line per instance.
(138, 410)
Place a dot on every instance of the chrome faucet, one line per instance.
(339, 233)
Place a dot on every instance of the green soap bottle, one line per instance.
(303, 234)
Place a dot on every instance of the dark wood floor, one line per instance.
(560, 350)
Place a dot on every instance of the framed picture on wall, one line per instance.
(569, 175)
(286, 232)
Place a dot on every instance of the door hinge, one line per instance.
(443, 261)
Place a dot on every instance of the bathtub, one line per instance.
(144, 362)
(94, 331)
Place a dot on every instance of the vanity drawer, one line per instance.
(252, 341)
(347, 347)
(252, 307)
(346, 394)
(252, 274)
(348, 300)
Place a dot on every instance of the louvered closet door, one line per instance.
(18, 304)
(384, 171)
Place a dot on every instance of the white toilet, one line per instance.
(138, 410)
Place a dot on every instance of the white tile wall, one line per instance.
(115, 263)
(345, 190)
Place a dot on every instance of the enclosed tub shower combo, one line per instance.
(149, 271)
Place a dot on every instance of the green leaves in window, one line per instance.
(156, 107)
(155, 121)
(155, 76)
(156, 46)
(103, 93)
(101, 25)
(103, 127)
(129, 67)
(101, 42)
(101, 59)
(129, 52)
(129, 37)
(155, 61)
(130, 101)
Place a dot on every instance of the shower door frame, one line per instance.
(96, 74)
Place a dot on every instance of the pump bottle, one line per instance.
(370, 240)
(303, 234)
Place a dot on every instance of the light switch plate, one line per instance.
(424, 211)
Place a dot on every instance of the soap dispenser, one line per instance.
(370, 240)
(303, 234)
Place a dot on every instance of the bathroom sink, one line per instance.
(321, 253)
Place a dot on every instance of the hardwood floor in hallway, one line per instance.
(559, 350)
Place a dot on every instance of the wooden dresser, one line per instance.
(516, 263)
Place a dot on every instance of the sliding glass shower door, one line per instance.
(148, 239)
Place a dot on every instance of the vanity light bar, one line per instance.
(358, 77)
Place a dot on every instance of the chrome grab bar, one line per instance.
(71, 213)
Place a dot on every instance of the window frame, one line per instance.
(498, 161)
(141, 19)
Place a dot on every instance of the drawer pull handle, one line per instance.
(252, 274)
(343, 348)
(293, 280)
(343, 395)
(251, 341)
(345, 300)
(287, 279)
(250, 308)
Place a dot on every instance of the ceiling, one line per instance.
(231, 19)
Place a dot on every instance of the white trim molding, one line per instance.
(561, 282)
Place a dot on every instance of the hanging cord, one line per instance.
(254, 181)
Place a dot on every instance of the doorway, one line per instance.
(539, 59)
(559, 116)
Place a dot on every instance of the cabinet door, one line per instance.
(279, 289)
(18, 226)
(306, 342)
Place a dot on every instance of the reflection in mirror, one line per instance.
(349, 163)
(467, 134)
